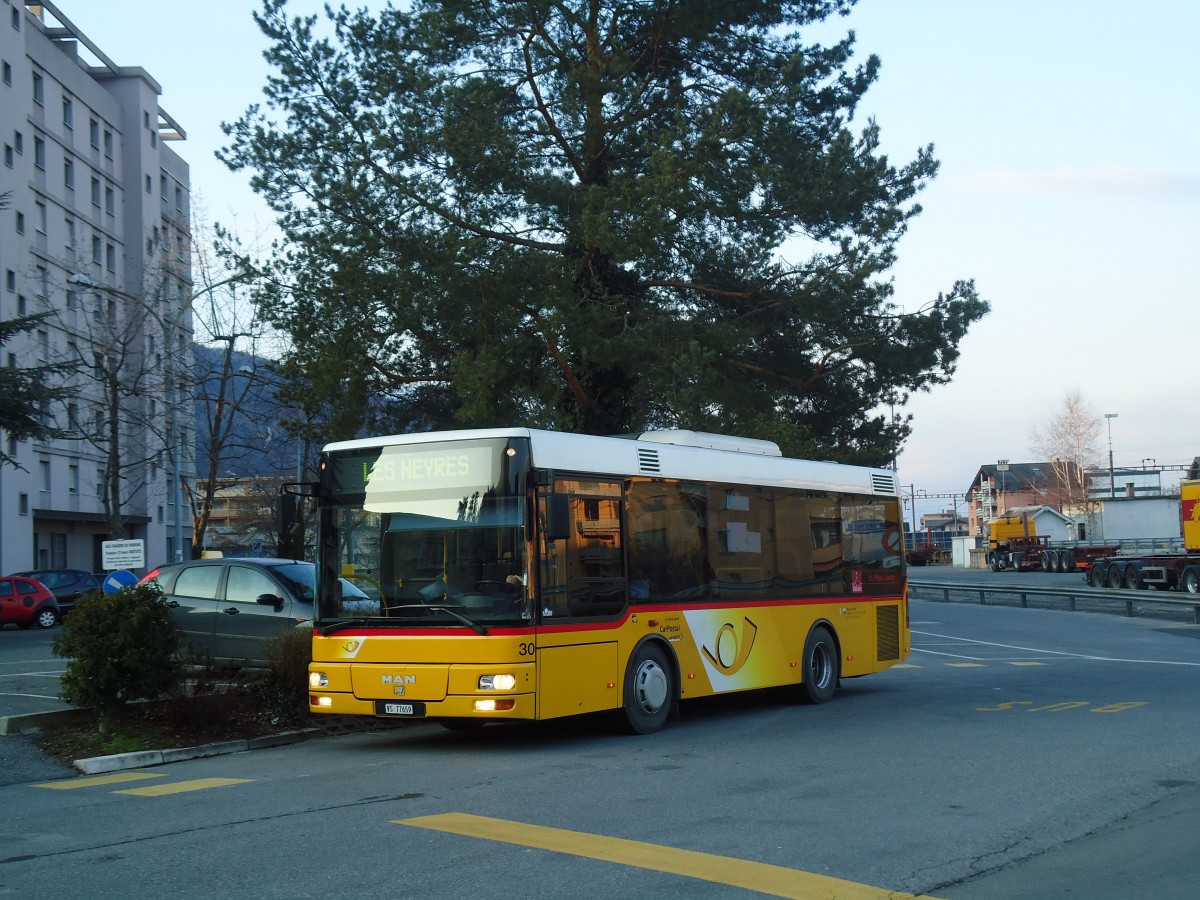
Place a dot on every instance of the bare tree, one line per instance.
(231, 386)
(1069, 440)
(130, 353)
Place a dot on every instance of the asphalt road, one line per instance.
(1018, 752)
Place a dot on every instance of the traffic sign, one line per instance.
(118, 580)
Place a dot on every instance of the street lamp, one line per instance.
(1112, 481)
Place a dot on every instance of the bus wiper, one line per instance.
(344, 623)
(470, 623)
(449, 610)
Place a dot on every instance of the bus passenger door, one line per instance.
(581, 580)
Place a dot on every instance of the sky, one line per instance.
(1069, 138)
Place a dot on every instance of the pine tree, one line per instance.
(577, 214)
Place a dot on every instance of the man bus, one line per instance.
(517, 574)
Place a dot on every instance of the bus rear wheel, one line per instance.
(649, 690)
(821, 666)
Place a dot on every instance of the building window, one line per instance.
(22, 306)
(8, 155)
(44, 470)
(39, 90)
(8, 74)
(40, 209)
(43, 281)
(72, 300)
(149, 185)
(110, 258)
(15, 18)
(39, 153)
(69, 174)
(95, 250)
(162, 181)
(70, 242)
(68, 112)
(19, 142)
(96, 192)
(43, 342)
(23, 504)
(20, 223)
(145, 118)
(110, 201)
(178, 198)
(94, 134)
(10, 279)
(73, 483)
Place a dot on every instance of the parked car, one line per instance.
(67, 585)
(27, 602)
(229, 608)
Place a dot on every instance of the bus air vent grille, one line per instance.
(648, 461)
(887, 622)
(883, 484)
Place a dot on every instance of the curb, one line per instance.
(138, 759)
(30, 723)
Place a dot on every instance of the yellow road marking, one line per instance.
(777, 881)
(182, 787)
(94, 780)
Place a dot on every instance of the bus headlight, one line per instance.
(317, 680)
(497, 682)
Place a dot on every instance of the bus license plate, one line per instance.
(392, 708)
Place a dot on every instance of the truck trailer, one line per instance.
(1015, 546)
(1165, 571)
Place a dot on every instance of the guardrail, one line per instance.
(1098, 596)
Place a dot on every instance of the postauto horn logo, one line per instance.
(731, 650)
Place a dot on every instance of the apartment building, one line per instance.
(96, 236)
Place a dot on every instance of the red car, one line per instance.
(26, 602)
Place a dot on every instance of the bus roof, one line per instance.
(685, 455)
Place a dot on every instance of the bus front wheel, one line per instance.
(821, 669)
(648, 690)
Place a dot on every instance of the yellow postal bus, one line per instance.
(515, 574)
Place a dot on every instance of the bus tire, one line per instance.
(821, 666)
(649, 690)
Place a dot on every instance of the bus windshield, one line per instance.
(429, 533)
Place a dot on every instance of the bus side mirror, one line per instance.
(558, 517)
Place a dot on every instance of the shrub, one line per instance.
(283, 688)
(119, 647)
